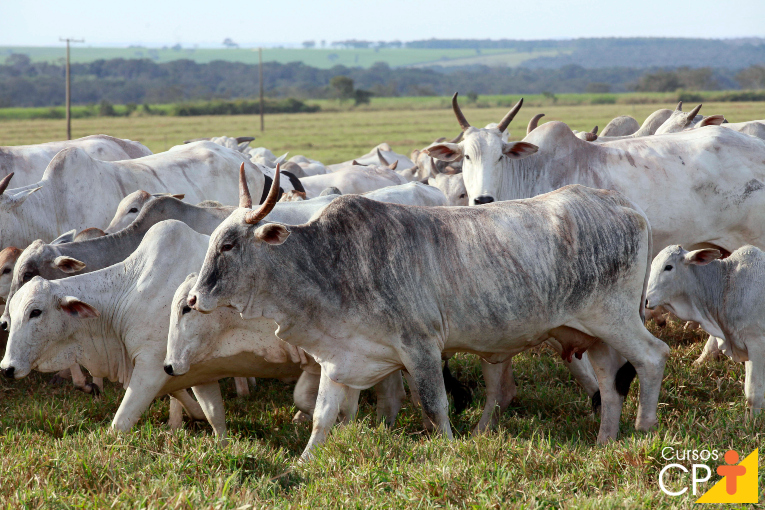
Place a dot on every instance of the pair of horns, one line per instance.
(5, 182)
(464, 124)
(245, 199)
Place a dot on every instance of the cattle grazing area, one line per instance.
(56, 445)
(472, 307)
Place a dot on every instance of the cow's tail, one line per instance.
(461, 394)
(648, 262)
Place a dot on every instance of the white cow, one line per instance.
(78, 192)
(452, 186)
(727, 297)
(352, 180)
(371, 158)
(28, 162)
(699, 188)
(130, 206)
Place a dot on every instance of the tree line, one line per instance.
(139, 81)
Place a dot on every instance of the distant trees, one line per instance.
(752, 77)
(309, 44)
(140, 81)
(228, 43)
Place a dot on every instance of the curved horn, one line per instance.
(464, 124)
(534, 122)
(458, 139)
(509, 117)
(245, 199)
(679, 107)
(253, 217)
(240, 139)
(594, 130)
(383, 161)
(4, 183)
(693, 113)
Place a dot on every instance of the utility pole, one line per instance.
(69, 86)
(260, 78)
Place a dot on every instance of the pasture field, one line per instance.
(56, 450)
(323, 58)
(334, 136)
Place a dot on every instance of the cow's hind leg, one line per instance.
(500, 391)
(329, 401)
(425, 367)
(242, 389)
(646, 353)
(606, 363)
(175, 421)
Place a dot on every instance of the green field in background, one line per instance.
(321, 58)
(334, 136)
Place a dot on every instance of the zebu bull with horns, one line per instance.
(384, 287)
(700, 188)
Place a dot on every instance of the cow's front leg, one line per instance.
(754, 382)
(711, 351)
(175, 420)
(330, 398)
(242, 388)
(211, 401)
(500, 391)
(390, 395)
(145, 383)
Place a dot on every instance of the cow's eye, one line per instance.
(463, 195)
(227, 247)
(34, 313)
(668, 267)
(185, 310)
(133, 210)
(28, 276)
(6, 270)
(500, 159)
(467, 157)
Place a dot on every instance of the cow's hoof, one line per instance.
(93, 390)
(301, 417)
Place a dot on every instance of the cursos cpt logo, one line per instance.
(738, 483)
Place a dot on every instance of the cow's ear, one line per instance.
(13, 201)
(272, 233)
(518, 150)
(702, 257)
(66, 237)
(77, 308)
(713, 120)
(68, 264)
(444, 151)
(179, 196)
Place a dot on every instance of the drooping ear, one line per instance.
(272, 233)
(712, 120)
(66, 237)
(68, 264)
(13, 201)
(518, 150)
(444, 151)
(77, 308)
(702, 257)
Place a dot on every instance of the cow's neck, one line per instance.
(704, 297)
(29, 221)
(553, 167)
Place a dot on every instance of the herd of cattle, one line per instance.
(354, 275)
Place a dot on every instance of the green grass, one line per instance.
(321, 58)
(56, 450)
(334, 136)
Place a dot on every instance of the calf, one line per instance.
(727, 297)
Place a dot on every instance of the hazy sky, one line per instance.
(206, 23)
